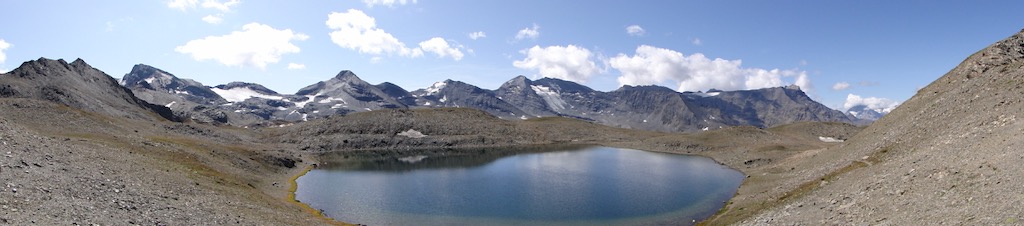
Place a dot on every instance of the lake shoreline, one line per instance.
(490, 155)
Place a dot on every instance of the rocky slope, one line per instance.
(65, 166)
(77, 85)
(949, 155)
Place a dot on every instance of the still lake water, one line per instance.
(582, 186)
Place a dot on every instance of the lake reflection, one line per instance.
(594, 185)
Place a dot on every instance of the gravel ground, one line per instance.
(81, 173)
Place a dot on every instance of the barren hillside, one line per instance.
(949, 155)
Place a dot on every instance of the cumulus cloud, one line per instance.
(357, 31)
(659, 66)
(697, 42)
(440, 47)
(841, 86)
(477, 35)
(3, 46)
(570, 62)
(528, 33)
(256, 45)
(208, 4)
(388, 3)
(294, 66)
(883, 105)
(804, 83)
(211, 19)
(635, 30)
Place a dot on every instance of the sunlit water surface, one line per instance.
(582, 186)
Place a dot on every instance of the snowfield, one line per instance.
(240, 94)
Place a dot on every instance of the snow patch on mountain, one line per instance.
(435, 88)
(240, 94)
(829, 139)
(553, 99)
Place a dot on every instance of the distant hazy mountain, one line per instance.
(638, 107)
(862, 112)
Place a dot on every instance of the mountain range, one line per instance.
(634, 107)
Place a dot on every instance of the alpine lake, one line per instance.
(575, 185)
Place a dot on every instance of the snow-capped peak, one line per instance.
(435, 88)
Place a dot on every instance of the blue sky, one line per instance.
(880, 51)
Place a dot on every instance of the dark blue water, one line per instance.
(595, 185)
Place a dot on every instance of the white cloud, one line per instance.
(211, 19)
(357, 31)
(477, 35)
(653, 65)
(805, 83)
(697, 42)
(530, 33)
(878, 104)
(294, 66)
(3, 46)
(635, 30)
(182, 4)
(222, 6)
(440, 47)
(388, 3)
(255, 45)
(563, 62)
(841, 86)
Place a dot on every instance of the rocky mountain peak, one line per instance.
(346, 74)
(516, 84)
(519, 80)
(147, 76)
(78, 85)
(40, 67)
(343, 80)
